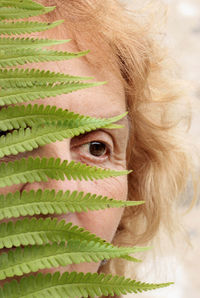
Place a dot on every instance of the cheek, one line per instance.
(104, 223)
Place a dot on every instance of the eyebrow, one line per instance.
(119, 131)
(123, 121)
(106, 115)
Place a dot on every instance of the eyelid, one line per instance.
(97, 135)
(77, 149)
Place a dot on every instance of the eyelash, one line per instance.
(88, 156)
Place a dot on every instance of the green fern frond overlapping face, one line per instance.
(81, 285)
(8, 28)
(43, 243)
(49, 202)
(34, 115)
(40, 169)
(29, 78)
(17, 43)
(28, 139)
(22, 56)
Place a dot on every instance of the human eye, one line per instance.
(96, 149)
(92, 147)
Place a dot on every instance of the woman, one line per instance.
(124, 54)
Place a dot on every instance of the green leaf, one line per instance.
(23, 56)
(28, 139)
(11, 13)
(49, 202)
(30, 77)
(74, 285)
(41, 231)
(31, 259)
(26, 43)
(18, 95)
(31, 170)
(32, 115)
(7, 28)
(48, 124)
(26, 4)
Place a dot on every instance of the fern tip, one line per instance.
(100, 83)
(56, 23)
(50, 7)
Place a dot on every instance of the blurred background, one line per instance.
(183, 39)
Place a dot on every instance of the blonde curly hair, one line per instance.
(126, 42)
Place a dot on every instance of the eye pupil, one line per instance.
(97, 148)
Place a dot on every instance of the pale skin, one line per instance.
(102, 101)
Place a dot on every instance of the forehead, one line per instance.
(102, 101)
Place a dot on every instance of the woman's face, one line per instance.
(110, 151)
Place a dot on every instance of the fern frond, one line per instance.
(25, 43)
(28, 139)
(7, 28)
(41, 231)
(26, 4)
(48, 242)
(11, 13)
(30, 77)
(23, 56)
(74, 285)
(19, 95)
(30, 170)
(49, 202)
(31, 259)
(31, 115)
